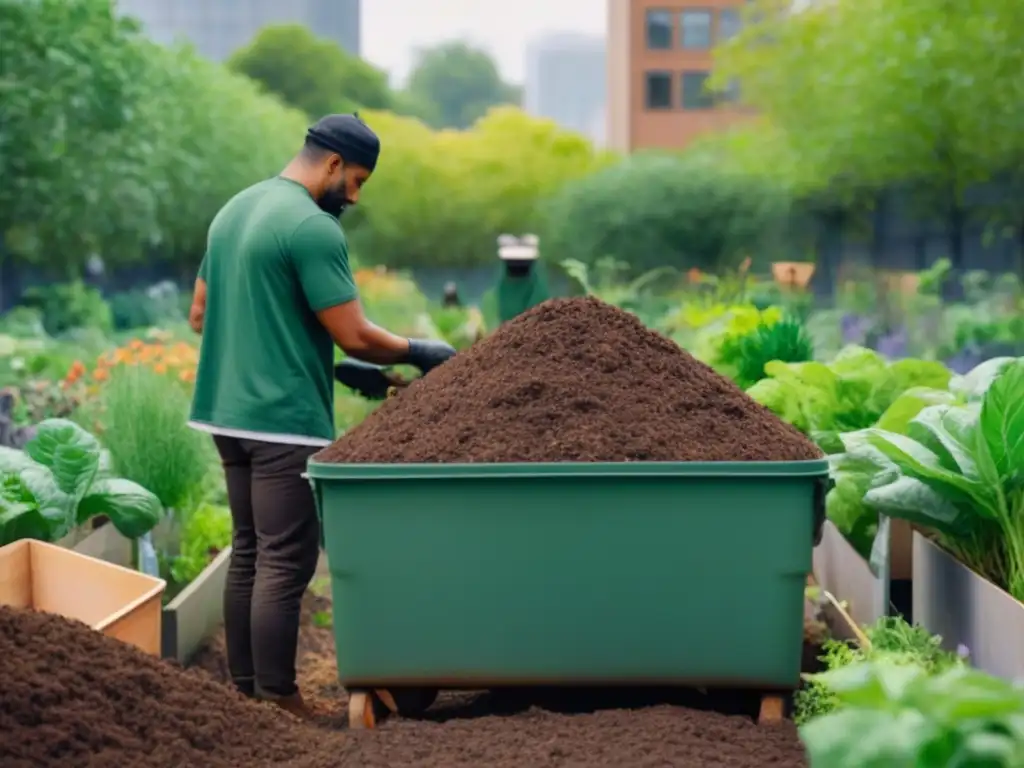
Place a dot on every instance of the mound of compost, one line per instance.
(571, 380)
(73, 697)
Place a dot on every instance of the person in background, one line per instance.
(451, 295)
(521, 281)
(273, 297)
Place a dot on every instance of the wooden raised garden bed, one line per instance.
(192, 615)
(196, 612)
(119, 602)
(954, 602)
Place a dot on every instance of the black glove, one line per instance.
(370, 381)
(427, 354)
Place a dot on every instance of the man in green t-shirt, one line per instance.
(274, 295)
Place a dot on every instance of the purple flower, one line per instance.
(963, 652)
(893, 345)
(855, 328)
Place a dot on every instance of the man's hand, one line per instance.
(427, 354)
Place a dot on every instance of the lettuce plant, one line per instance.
(60, 481)
(852, 392)
(894, 715)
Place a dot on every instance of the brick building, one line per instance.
(659, 58)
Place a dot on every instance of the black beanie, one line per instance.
(349, 136)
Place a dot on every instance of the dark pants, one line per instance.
(274, 550)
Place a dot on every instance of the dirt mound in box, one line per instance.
(571, 380)
(71, 697)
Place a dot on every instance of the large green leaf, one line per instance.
(12, 461)
(905, 408)
(952, 432)
(22, 520)
(132, 509)
(69, 452)
(907, 498)
(916, 461)
(1002, 421)
(974, 384)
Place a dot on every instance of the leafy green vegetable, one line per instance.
(58, 484)
(894, 715)
(960, 472)
(851, 393)
(206, 532)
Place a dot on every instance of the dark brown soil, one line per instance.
(571, 380)
(71, 697)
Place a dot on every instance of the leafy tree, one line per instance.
(922, 94)
(310, 73)
(461, 82)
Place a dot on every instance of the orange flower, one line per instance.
(136, 344)
(101, 374)
(160, 368)
(694, 275)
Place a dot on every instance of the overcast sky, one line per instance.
(394, 29)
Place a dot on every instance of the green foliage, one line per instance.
(657, 210)
(944, 76)
(159, 305)
(310, 73)
(850, 393)
(206, 531)
(482, 182)
(58, 483)
(113, 145)
(456, 84)
(785, 341)
(890, 639)
(143, 417)
(895, 715)
(960, 472)
(65, 306)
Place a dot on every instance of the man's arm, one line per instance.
(361, 339)
(198, 309)
(320, 254)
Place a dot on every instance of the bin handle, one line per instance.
(822, 486)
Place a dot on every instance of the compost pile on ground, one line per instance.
(571, 380)
(72, 697)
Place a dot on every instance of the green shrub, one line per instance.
(659, 210)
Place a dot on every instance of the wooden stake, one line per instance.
(772, 710)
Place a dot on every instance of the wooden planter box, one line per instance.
(197, 611)
(119, 602)
(954, 602)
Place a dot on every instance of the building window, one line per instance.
(695, 29)
(659, 30)
(728, 24)
(658, 92)
(695, 94)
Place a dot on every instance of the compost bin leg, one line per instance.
(362, 710)
(772, 709)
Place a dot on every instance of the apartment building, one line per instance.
(217, 28)
(659, 60)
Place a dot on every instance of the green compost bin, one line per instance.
(569, 574)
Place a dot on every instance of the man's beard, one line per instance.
(334, 202)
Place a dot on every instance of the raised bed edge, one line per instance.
(965, 609)
(196, 612)
(103, 543)
(840, 570)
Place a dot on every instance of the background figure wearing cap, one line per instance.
(274, 294)
(521, 280)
